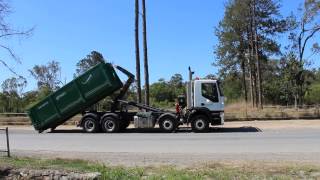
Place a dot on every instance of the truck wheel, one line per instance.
(90, 125)
(110, 125)
(167, 124)
(200, 123)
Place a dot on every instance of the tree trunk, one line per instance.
(136, 30)
(255, 85)
(244, 79)
(145, 51)
(259, 81)
(250, 70)
(252, 88)
(252, 64)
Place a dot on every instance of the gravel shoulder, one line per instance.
(183, 160)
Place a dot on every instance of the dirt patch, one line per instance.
(9, 173)
(277, 124)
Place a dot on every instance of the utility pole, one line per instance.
(145, 54)
(136, 30)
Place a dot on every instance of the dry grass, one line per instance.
(241, 110)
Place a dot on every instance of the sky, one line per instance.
(180, 34)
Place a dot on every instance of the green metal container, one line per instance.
(87, 89)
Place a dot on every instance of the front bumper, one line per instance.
(222, 118)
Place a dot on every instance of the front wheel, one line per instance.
(110, 125)
(168, 124)
(200, 123)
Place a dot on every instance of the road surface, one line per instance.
(181, 148)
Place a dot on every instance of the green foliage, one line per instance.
(89, 61)
(11, 96)
(232, 88)
(313, 95)
(163, 93)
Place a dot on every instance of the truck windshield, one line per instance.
(219, 88)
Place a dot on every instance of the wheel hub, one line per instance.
(200, 124)
(167, 124)
(89, 125)
(109, 125)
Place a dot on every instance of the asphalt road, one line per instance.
(149, 147)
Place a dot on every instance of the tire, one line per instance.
(200, 123)
(110, 125)
(168, 124)
(90, 125)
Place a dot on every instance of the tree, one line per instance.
(7, 31)
(89, 61)
(14, 85)
(145, 55)
(12, 90)
(232, 32)
(231, 86)
(176, 85)
(136, 31)
(176, 80)
(306, 27)
(246, 38)
(210, 76)
(29, 98)
(312, 95)
(161, 91)
(47, 76)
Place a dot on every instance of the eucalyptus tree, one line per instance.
(307, 26)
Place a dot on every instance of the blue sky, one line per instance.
(180, 34)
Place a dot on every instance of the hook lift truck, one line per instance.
(202, 106)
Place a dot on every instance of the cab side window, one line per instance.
(209, 91)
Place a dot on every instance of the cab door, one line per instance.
(207, 95)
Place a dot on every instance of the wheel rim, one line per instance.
(200, 124)
(167, 124)
(89, 125)
(109, 125)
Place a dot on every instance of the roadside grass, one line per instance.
(242, 110)
(207, 171)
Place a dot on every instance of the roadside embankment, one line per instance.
(91, 170)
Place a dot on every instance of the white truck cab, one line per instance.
(207, 93)
(205, 99)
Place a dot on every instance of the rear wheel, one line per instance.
(90, 125)
(168, 124)
(200, 123)
(110, 125)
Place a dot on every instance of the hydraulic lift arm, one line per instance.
(124, 89)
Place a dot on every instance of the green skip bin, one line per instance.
(82, 92)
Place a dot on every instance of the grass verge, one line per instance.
(207, 171)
